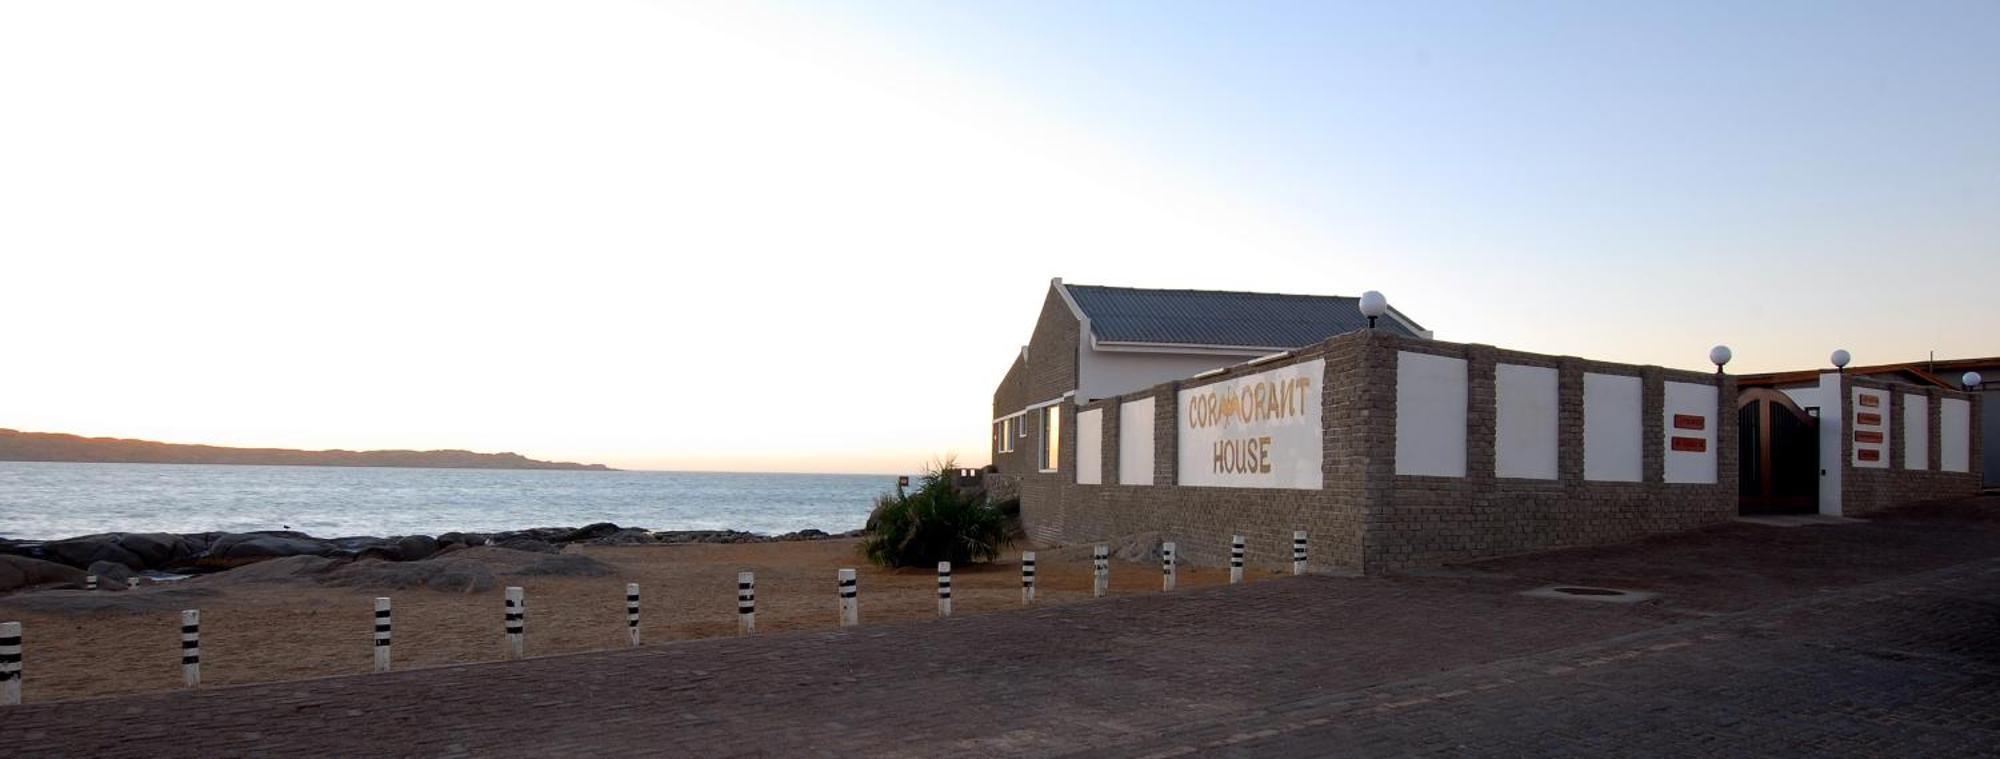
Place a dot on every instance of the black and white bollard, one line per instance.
(90, 582)
(517, 623)
(944, 588)
(746, 602)
(191, 647)
(382, 625)
(1166, 566)
(1027, 577)
(1299, 552)
(850, 599)
(1101, 565)
(1236, 560)
(10, 663)
(632, 612)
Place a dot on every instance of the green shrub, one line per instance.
(936, 522)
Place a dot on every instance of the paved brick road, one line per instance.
(1904, 668)
(1893, 658)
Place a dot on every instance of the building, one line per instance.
(1803, 390)
(1096, 342)
(1394, 451)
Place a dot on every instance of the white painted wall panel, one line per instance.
(1916, 432)
(1090, 447)
(1102, 374)
(1955, 435)
(1135, 442)
(1688, 417)
(1612, 444)
(1524, 434)
(1832, 429)
(1430, 415)
(1870, 424)
(1256, 431)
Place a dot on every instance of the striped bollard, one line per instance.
(1167, 566)
(1236, 560)
(1101, 563)
(746, 602)
(90, 582)
(517, 617)
(632, 612)
(1027, 577)
(944, 588)
(1299, 552)
(191, 647)
(850, 601)
(10, 663)
(382, 625)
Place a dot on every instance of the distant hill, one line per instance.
(50, 446)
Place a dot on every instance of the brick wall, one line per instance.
(1369, 519)
(1046, 372)
(1421, 521)
(1866, 490)
(1052, 350)
(1009, 397)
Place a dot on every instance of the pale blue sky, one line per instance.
(812, 236)
(1811, 173)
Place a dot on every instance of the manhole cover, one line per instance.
(1590, 591)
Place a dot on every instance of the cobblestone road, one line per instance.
(1898, 659)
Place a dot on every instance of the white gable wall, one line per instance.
(1103, 374)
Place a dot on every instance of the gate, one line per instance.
(1778, 454)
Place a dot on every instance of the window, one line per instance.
(1051, 437)
(1008, 431)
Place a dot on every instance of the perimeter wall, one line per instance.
(1395, 453)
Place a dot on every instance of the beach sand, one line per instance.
(262, 632)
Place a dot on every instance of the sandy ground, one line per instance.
(282, 631)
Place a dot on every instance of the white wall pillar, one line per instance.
(1832, 432)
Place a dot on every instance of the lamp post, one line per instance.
(1373, 305)
(1718, 356)
(1840, 358)
(1971, 381)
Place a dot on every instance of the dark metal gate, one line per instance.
(1778, 454)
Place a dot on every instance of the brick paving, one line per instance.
(1889, 648)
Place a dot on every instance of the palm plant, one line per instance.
(937, 522)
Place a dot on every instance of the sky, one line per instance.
(812, 236)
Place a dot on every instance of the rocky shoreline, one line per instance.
(115, 557)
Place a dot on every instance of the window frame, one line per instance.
(1049, 454)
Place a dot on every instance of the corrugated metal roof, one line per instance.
(1209, 317)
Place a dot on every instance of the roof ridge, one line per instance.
(1212, 292)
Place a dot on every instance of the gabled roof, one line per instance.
(1228, 319)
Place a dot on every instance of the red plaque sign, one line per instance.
(1690, 444)
(1867, 436)
(1690, 422)
(1870, 401)
(1868, 418)
(1868, 454)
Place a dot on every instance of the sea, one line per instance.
(43, 500)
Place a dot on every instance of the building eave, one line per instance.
(1184, 348)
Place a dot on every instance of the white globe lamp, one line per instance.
(1840, 358)
(1971, 380)
(1718, 356)
(1373, 306)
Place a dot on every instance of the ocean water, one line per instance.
(56, 500)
